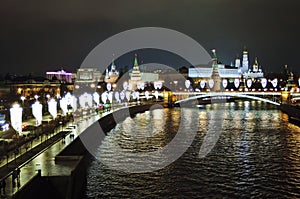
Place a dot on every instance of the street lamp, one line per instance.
(48, 96)
(36, 97)
(23, 98)
(16, 117)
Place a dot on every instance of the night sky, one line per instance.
(36, 36)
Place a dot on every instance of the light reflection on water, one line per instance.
(256, 155)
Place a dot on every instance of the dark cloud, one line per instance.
(37, 35)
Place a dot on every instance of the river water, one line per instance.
(255, 153)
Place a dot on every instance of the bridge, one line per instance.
(274, 98)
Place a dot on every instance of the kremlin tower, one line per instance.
(135, 76)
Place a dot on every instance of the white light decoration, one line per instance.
(236, 83)
(37, 108)
(68, 98)
(110, 97)
(249, 83)
(140, 85)
(211, 83)
(156, 95)
(187, 83)
(96, 98)
(202, 83)
(147, 95)
(74, 103)
(299, 81)
(125, 86)
(104, 97)
(158, 85)
(122, 95)
(130, 86)
(134, 95)
(117, 96)
(52, 108)
(108, 86)
(274, 82)
(127, 95)
(86, 100)
(264, 82)
(63, 105)
(224, 83)
(16, 117)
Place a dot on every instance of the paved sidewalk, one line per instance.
(29, 146)
(42, 157)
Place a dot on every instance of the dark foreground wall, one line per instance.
(73, 185)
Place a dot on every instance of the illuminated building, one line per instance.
(112, 75)
(61, 75)
(135, 75)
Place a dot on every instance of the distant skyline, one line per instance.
(37, 36)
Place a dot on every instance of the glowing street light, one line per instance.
(52, 108)
(16, 117)
(22, 99)
(37, 108)
(36, 97)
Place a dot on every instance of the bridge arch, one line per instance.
(224, 94)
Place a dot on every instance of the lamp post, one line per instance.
(22, 99)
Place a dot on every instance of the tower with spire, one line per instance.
(112, 75)
(135, 76)
(215, 74)
(245, 62)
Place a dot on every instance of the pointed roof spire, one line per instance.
(256, 62)
(135, 60)
(113, 66)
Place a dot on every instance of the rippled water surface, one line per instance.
(254, 154)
